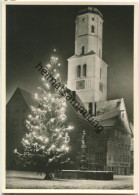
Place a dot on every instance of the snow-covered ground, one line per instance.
(30, 180)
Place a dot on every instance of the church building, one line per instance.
(87, 76)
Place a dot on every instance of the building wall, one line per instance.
(132, 155)
(93, 87)
(16, 114)
(74, 62)
(84, 35)
(119, 151)
(91, 91)
(109, 150)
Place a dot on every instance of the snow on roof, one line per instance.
(107, 106)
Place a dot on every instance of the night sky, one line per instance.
(32, 32)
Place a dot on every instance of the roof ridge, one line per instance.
(28, 98)
(22, 90)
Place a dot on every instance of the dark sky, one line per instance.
(32, 32)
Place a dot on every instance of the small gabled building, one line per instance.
(17, 110)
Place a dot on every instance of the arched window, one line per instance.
(92, 29)
(78, 71)
(82, 52)
(84, 70)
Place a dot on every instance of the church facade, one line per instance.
(87, 72)
(87, 76)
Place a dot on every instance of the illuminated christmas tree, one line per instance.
(47, 143)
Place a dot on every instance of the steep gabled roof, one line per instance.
(104, 110)
(28, 98)
(108, 113)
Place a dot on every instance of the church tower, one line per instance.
(87, 72)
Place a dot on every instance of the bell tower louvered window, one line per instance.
(84, 70)
(82, 50)
(78, 71)
(92, 29)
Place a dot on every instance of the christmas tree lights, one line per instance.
(46, 144)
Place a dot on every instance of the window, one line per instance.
(128, 158)
(93, 19)
(122, 115)
(101, 87)
(82, 19)
(118, 104)
(84, 70)
(92, 29)
(78, 71)
(100, 72)
(82, 52)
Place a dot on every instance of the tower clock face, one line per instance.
(80, 84)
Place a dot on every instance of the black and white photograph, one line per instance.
(69, 78)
